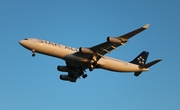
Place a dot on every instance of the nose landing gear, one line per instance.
(33, 53)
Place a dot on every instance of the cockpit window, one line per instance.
(25, 39)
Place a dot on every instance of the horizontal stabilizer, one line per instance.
(137, 73)
(150, 63)
(146, 66)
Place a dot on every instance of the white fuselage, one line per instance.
(66, 53)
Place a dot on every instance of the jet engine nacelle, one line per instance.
(63, 68)
(67, 78)
(85, 50)
(114, 40)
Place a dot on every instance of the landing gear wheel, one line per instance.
(90, 69)
(84, 75)
(33, 55)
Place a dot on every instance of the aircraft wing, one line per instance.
(114, 42)
(76, 72)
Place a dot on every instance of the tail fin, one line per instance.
(141, 58)
(141, 61)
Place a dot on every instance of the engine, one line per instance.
(63, 68)
(114, 40)
(67, 78)
(86, 50)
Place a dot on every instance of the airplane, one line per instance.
(78, 60)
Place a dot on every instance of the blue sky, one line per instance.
(28, 83)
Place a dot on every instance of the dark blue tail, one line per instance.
(141, 58)
(141, 61)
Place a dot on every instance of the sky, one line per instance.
(28, 83)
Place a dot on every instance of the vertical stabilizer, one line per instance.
(141, 61)
(141, 58)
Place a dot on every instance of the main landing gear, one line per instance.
(33, 53)
(84, 76)
(91, 67)
(93, 63)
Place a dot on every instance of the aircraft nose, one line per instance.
(21, 42)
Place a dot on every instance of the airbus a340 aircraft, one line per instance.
(78, 60)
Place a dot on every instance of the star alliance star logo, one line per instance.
(141, 60)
